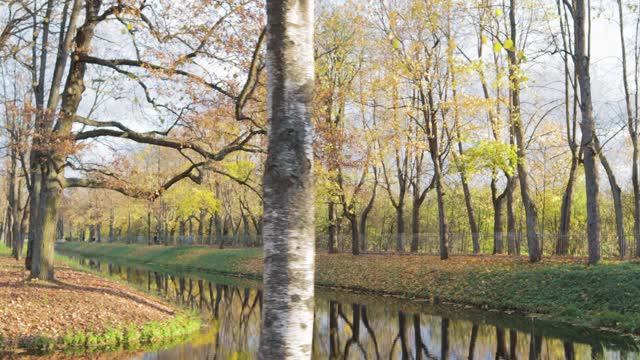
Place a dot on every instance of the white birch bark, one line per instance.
(287, 317)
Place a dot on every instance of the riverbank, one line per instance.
(81, 311)
(603, 296)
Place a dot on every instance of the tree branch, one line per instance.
(128, 190)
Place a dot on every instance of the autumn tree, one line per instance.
(67, 55)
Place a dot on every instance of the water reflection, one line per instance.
(349, 326)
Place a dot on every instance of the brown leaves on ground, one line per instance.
(460, 279)
(76, 301)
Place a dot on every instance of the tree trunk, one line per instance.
(23, 230)
(218, 225)
(363, 219)
(201, 227)
(42, 228)
(60, 228)
(12, 224)
(498, 226)
(632, 127)
(355, 240)
(498, 217)
(289, 232)
(562, 245)
(636, 195)
(111, 220)
(400, 227)
(587, 127)
(181, 232)
(149, 228)
(333, 233)
(129, 229)
(245, 230)
(16, 234)
(415, 225)
(473, 226)
(442, 219)
(225, 232)
(210, 233)
(512, 236)
(530, 207)
(6, 227)
(616, 194)
(44, 160)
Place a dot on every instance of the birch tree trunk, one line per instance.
(289, 234)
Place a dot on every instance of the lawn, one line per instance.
(605, 295)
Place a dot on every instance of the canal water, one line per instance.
(351, 326)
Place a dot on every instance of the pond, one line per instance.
(352, 326)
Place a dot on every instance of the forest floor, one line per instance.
(566, 289)
(79, 309)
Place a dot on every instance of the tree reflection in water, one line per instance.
(345, 329)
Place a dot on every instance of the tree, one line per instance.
(340, 49)
(587, 126)
(571, 120)
(60, 85)
(632, 125)
(289, 250)
(530, 207)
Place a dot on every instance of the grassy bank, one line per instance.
(151, 335)
(565, 289)
(82, 312)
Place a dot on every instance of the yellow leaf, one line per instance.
(498, 12)
(497, 47)
(508, 44)
(484, 39)
(130, 27)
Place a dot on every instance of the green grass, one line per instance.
(152, 334)
(599, 296)
(171, 258)
(4, 250)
